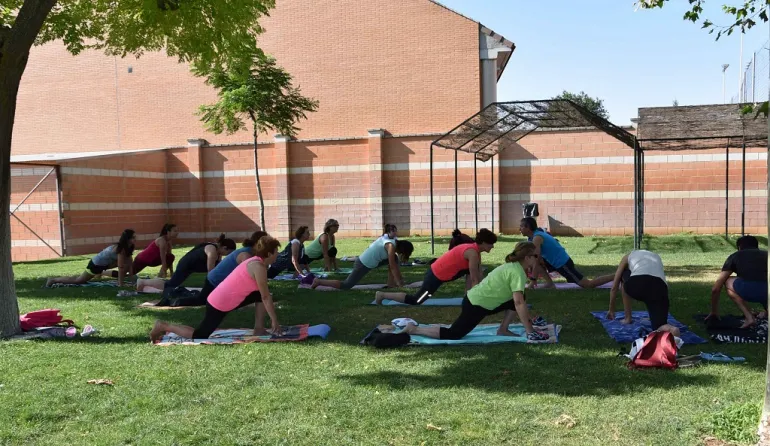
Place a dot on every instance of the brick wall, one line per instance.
(376, 64)
(583, 182)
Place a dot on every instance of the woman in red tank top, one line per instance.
(463, 259)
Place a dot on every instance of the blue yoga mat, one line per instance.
(433, 302)
(482, 334)
(641, 326)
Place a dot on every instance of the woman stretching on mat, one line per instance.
(323, 247)
(247, 284)
(117, 255)
(462, 260)
(555, 258)
(228, 265)
(383, 251)
(640, 277)
(501, 290)
(293, 256)
(158, 253)
(201, 259)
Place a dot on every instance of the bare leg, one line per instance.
(599, 281)
(162, 327)
(507, 320)
(150, 283)
(626, 306)
(78, 280)
(322, 282)
(433, 331)
(379, 296)
(259, 321)
(735, 297)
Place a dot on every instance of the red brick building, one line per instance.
(127, 149)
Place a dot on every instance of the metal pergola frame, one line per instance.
(491, 130)
(707, 127)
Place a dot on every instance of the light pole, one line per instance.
(724, 68)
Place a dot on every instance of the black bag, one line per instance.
(530, 210)
(378, 339)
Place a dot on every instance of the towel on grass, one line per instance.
(93, 283)
(432, 302)
(321, 273)
(371, 286)
(727, 329)
(640, 326)
(292, 333)
(482, 334)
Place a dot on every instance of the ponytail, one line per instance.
(329, 224)
(224, 242)
(522, 250)
(458, 238)
(251, 241)
(124, 244)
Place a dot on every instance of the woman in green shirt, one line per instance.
(501, 290)
(323, 247)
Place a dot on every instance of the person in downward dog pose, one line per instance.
(553, 257)
(640, 277)
(383, 251)
(201, 259)
(158, 253)
(463, 260)
(502, 290)
(293, 256)
(116, 255)
(229, 263)
(323, 247)
(247, 284)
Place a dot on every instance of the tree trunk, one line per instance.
(15, 43)
(259, 185)
(764, 422)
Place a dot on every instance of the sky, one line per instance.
(628, 59)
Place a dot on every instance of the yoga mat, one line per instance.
(320, 271)
(371, 286)
(727, 330)
(97, 283)
(243, 336)
(432, 302)
(153, 290)
(640, 326)
(574, 286)
(482, 334)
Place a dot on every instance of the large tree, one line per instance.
(265, 97)
(741, 17)
(207, 34)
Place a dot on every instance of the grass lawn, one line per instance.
(337, 392)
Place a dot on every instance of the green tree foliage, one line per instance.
(263, 97)
(209, 35)
(594, 105)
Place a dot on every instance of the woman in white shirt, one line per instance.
(640, 276)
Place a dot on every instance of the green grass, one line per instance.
(337, 392)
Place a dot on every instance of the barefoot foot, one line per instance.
(158, 330)
(314, 285)
(379, 296)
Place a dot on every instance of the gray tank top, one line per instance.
(107, 257)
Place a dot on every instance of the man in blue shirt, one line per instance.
(553, 257)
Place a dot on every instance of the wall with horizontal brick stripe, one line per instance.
(35, 219)
(317, 180)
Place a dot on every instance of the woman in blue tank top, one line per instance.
(554, 257)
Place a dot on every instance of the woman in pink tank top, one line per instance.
(464, 259)
(247, 284)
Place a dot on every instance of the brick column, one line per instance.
(278, 216)
(376, 217)
(197, 220)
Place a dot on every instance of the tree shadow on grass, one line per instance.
(529, 370)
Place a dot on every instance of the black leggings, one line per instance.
(470, 316)
(214, 317)
(430, 284)
(182, 272)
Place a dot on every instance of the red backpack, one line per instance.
(658, 350)
(42, 318)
